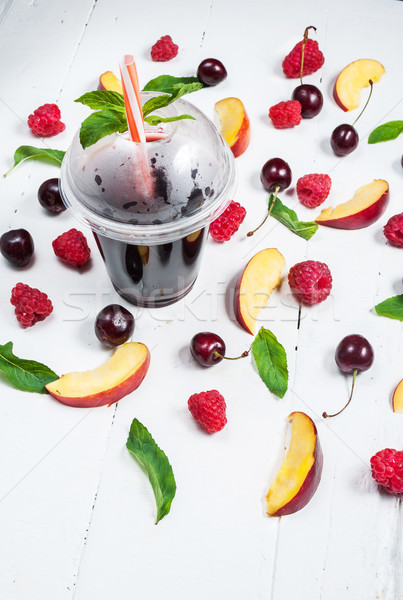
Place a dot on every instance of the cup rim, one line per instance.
(152, 233)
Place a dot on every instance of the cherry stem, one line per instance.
(303, 49)
(371, 83)
(243, 355)
(276, 191)
(325, 415)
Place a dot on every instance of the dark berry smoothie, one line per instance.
(150, 204)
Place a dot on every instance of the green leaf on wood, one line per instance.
(31, 152)
(155, 465)
(391, 308)
(289, 218)
(26, 375)
(387, 131)
(271, 361)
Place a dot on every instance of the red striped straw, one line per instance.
(131, 93)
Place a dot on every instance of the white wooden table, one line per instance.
(76, 512)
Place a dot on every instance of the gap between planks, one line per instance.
(76, 575)
(76, 49)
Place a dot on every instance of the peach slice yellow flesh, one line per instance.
(117, 377)
(397, 400)
(300, 473)
(257, 281)
(108, 81)
(353, 78)
(367, 205)
(235, 126)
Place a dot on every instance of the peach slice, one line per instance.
(110, 382)
(397, 399)
(257, 281)
(235, 126)
(353, 79)
(109, 81)
(300, 473)
(367, 205)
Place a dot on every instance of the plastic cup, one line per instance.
(150, 204)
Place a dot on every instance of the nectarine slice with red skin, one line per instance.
(108, 81)
(235, 125)
(353, 78)
(367, 205)
(259, 278)
(117, 377)
(397, 399)
(300, 473)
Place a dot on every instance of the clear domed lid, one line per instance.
(171, 186)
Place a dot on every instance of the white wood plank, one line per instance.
(52, 456)
(343, 544)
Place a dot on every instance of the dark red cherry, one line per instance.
(114, 325)
(344, 139)
(310, 98)
(17, 246)
(276, 175)
(207, 348)
(211, 71)
(353, 354)
(49, 196)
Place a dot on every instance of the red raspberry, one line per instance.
(313, 59)
(164, 49)
(31, 305)
(286, 114)
(72, 247)
(224, 227)
(313, 189)
(393, 230)
(310, 281)
(208, 409)
(387, 470)
(45, 121)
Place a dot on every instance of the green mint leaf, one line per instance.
(165, 83)
(155, 465)
(392, 308)
(46, 154)
(271, 361)
(156, 103)
(100, 124)
(178, 90)
(387, 131)
(156, 120)
(288, 217)
(26, 375)
(102, 99)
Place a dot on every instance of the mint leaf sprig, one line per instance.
(155, 465)
(289, 218)
(26, 375)
(166, 83)
(391, 308)
(111, 116)
(31, 152)
(271, 361)
(387, 131)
